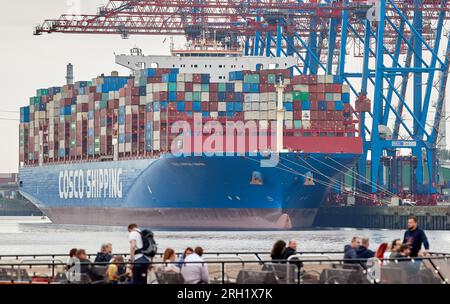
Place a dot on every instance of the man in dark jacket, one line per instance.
(350, 250)
(415, 237)
(105, 254)
(363, 251)
(291, 250)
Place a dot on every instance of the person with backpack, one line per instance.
(142, 250)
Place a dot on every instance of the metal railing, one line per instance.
(298, 269)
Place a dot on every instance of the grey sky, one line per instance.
(30, 62)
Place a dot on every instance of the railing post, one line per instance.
(223, 272)
(53, 267)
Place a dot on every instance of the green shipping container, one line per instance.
(72, 143)
(205, 87)
(188, 96)
(196, 96)
(301, 96)
(172, 87)
(103, 104)
(222, 87)
(272, 79)
(297, 124)
(42, 92)
(251, 78)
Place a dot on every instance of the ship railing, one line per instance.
(258, 254)
(312, 270)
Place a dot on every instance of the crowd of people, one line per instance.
(194, 270)
(410, 247)
(135, 271)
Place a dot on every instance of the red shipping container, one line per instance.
(205, 106)
(330, 115)
(313, 88)
(154, 80)
(113, 104)
(320, 88)
(347, 107)
(196, 78)
(188, 87)
(213, 106)
(263, 88)
(314, 105)
(214, 97)
(336, 88)
(314, 115)
(188, 105)
(297, 115)
(162, 96)
(122, 92)
(313, 97)
(322, 115)
(213, 87)
(297, 105)
(92, 89)
(329, 88)
(180, 96)
(330, 105)
(339, 116)
(320, 96)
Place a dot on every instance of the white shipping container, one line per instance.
(247, 106)
(142, 100)
(214, 115)
(288, 97)
(121, 129)
(121, 148)
(301, 88)
(156, 116)
(247, 97)
(264, 106)
(329, 79)
(156, 145)
(288, 115)
(91, 123)
(205, 96)
(238, 86)
(255, 106)
(180, 87)
(255, 98)
(180, 78)
(122, 101)
(263, 115)
(306, 124)
(272, 105)
(51, 153)
(149, 98)
(222, 106)
(337, 96)
(345, 88)
(197, 87)
(306, 115)
(149, 88)
(162, 87)
(127, 147)
(289, 124)
(264, 124)
(103, 131)
(264, 97)
(247, 115)
(272, 96)
(188, 78)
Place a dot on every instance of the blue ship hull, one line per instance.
(220, 192)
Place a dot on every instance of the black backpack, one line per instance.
(149, 247)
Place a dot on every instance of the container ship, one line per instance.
(204, 138)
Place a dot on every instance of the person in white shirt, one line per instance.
(169, 258)
(141, 265)
(195, 273)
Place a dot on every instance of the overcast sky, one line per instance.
(30, 62)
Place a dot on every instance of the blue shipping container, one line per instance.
(306, 105)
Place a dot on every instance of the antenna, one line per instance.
(69, 76)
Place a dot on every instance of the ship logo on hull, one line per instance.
(90, 184)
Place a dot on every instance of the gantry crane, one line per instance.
(399, 60)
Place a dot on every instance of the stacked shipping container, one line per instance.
(84, 120)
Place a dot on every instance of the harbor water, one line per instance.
(33, 235)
